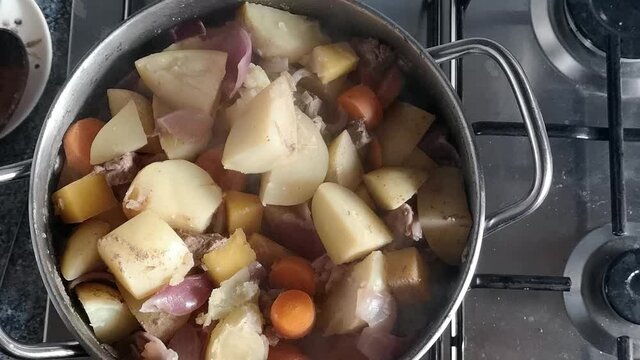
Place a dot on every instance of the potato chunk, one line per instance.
(338, 315)
(144, 254)
(276, 32)
(444, 214)
(391, 187)
(295, 180)
(348, 228)
(407, 275)
(118, 98)
(83, 199)
(180, 192)
(345, 167)
(122, 134)
(400, 132)
(185, 79)
(238, 336)
(159, 324)
(332, 61)
(109, 317)
(267, 251)
(81, 251)
(244, 211)
(264, 134)
(419, 160)
(230, 258)
(363, 193)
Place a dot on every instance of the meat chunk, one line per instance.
(359, 135)
(327, 273)
(375, 59)
(149, 347)
(200, 244)
(293, 228)
(437, 146)
(404, 226)
(119, 171)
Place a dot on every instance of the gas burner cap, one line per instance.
(595, 20)
(622, 285)
(577, 58)
(594, 262)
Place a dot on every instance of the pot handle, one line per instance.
(530, 112)
(8, 345)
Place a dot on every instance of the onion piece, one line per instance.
(181, 299)
(186, 125)
(378, 344)
(187, 343)
(377, 308)
(233, 39)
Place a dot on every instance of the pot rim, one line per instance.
(45, 162)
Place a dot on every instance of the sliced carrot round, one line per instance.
(374, 157)
(293, 314)
(286, 351)
(293, 273)
(360, 102)
(77, 144)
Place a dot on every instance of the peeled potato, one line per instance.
(159, 107)
(118, 98)
(223, 262)
(81, 251)
(109, 317)
(407, 275)
(419, 160)
(332, 61)
(338, 313)
(244, 211)
(348, 228)
(185, 79)
(238, 336)
(145, 254)
(400, 132)
(83, 199)
(264, 134)
(444, 214)
(276, 32)
(296, 179)
(363, 193)
(345, 167)
(391, 187)
(180, 192)
(122, 134)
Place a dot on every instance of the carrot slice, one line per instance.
(293, 272)
(374, 157)
(77, 144)
(360, 102)
(293, 314)
(211, 162)
(286, 351)
(390, 86)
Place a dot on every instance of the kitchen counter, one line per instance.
(22, 294)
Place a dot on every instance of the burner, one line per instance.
(595, 20)
(599, 266)
(576, 53)
(622, 285)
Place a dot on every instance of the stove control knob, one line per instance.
(622, 285)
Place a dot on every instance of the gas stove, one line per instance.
(562, 283)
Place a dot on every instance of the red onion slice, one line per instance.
(233, 39)
(181, 299)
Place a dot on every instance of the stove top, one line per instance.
(571, 247)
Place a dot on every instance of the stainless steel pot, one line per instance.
(113, 58)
